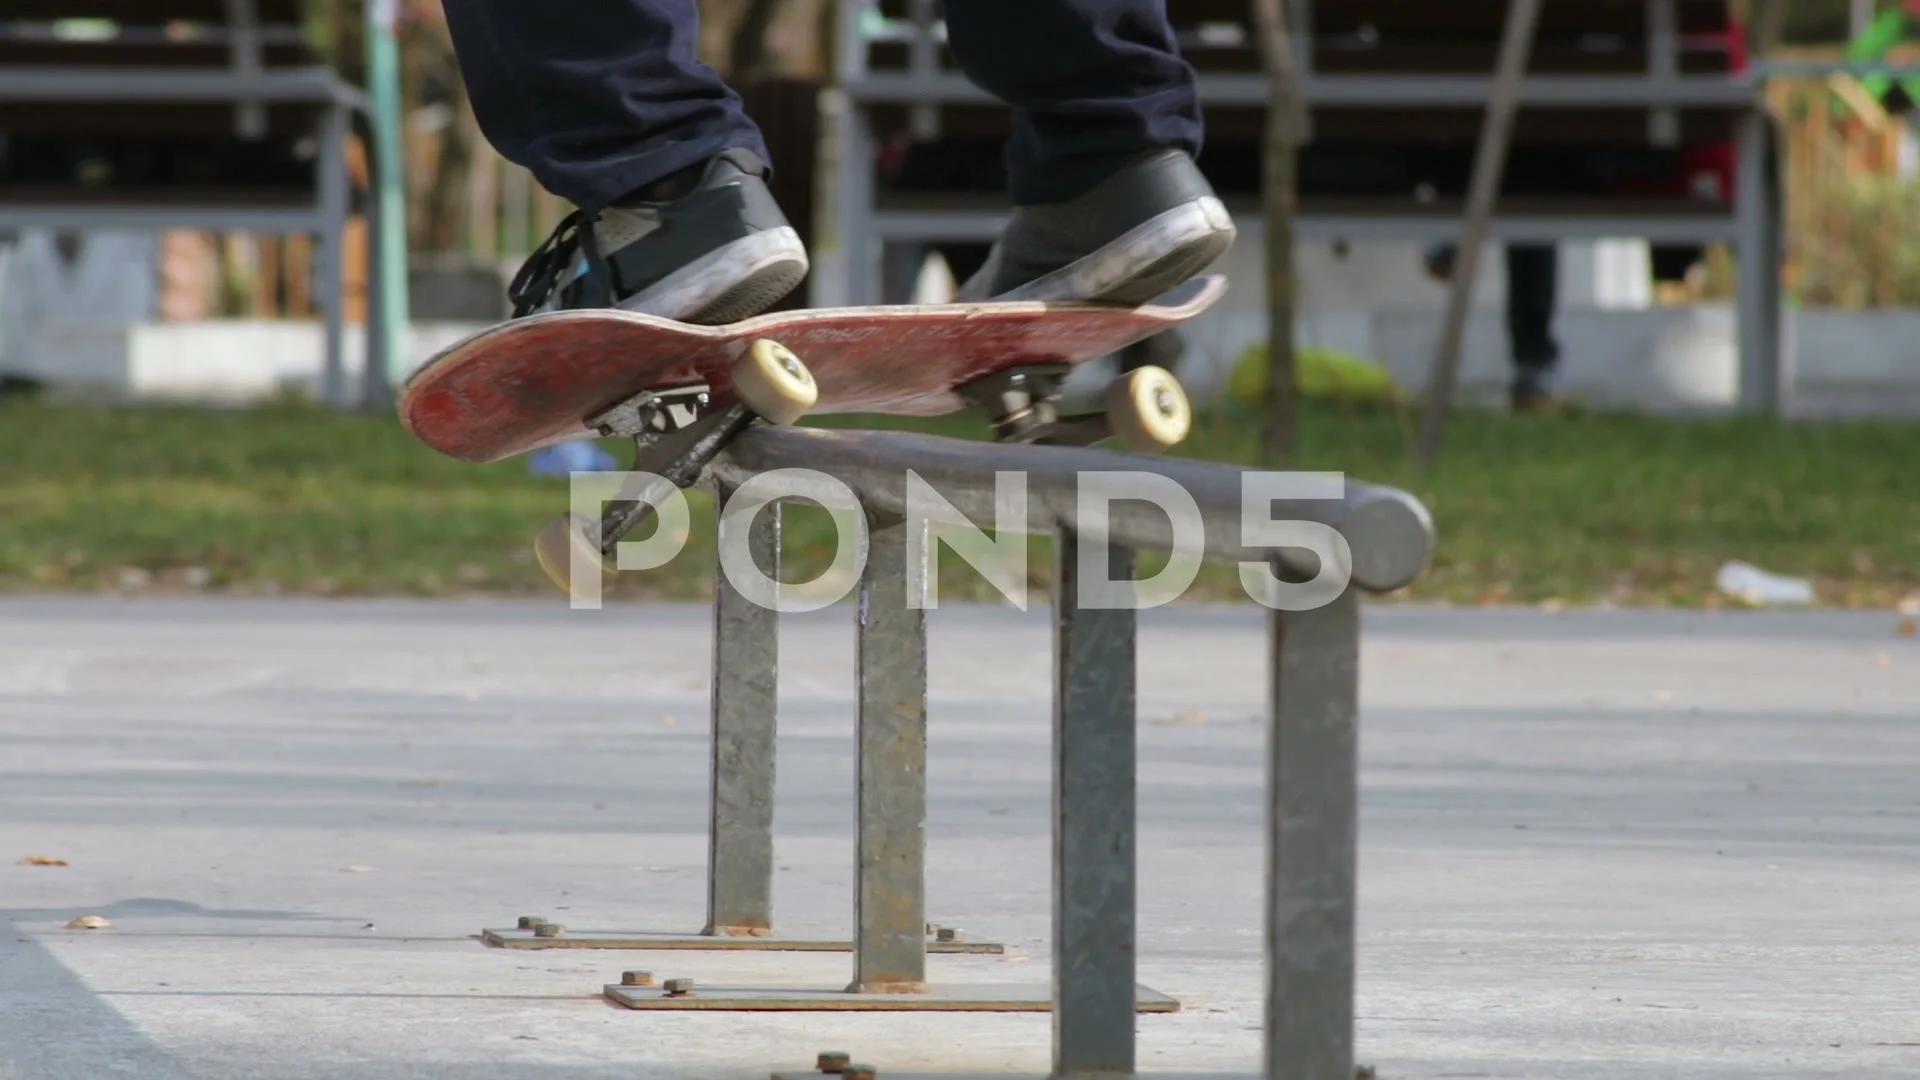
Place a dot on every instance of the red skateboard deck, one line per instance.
(532, 382)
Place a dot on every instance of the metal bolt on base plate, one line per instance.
(1145, 1075)
(527, 937)
(964, 997)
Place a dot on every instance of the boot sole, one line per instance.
(1163, 252)
(728, 284)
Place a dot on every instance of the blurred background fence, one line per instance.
(1850, 162)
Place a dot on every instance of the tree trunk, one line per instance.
(749, 52)
(1279, 201)
(1766, 24)
(1483, 191)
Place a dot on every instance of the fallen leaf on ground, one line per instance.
(369, 926)
(1909, 626)
(42, 860)
(89, 922)
(1184, 718)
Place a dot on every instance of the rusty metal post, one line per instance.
(890, 910)
(1094, 755)
(1312, 840)
(746, 660)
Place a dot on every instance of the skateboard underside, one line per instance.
(535, 381)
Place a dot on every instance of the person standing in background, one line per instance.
(1533, 286)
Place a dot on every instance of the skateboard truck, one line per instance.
(675, 433)
(653, 411)
(1145, 409)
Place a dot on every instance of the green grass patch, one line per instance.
(1577, 507)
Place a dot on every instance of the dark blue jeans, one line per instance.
(598, 99)
(1533, 284)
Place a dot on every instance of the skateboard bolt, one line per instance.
(833, 1061)
(859, 1072)
(948, 934)
(636, 978)
(549, 929)
(678, 987)
(528, 922)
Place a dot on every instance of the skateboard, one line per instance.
(682, 392)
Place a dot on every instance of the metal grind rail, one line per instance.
(1084, 498)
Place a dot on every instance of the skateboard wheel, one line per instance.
(773, 382)
(1147, 410)
(554, 549)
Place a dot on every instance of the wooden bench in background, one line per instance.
(162, 114)
(1634, 121)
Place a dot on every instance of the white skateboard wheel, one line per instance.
(554, 549)
(1147, 410)
(773, 382)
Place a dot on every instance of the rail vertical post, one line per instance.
(1312, 840)
(889, 943)
(746, 659)
(1757, 268)
(330, 261)
(386, 337)
(1094, 757)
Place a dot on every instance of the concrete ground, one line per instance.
(1595, 844)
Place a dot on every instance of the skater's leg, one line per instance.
(1109, 203)
(1094, 84)
(597, 100)
(609, 107)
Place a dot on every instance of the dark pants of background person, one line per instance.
(1533, 280)
(1533, 285)
(598, 99)
(1533, 274)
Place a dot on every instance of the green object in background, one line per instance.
(389, 183)
(1887, 30)
(1320, 374)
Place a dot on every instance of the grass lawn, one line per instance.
(1575, 508)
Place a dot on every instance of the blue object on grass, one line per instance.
(571, 457)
